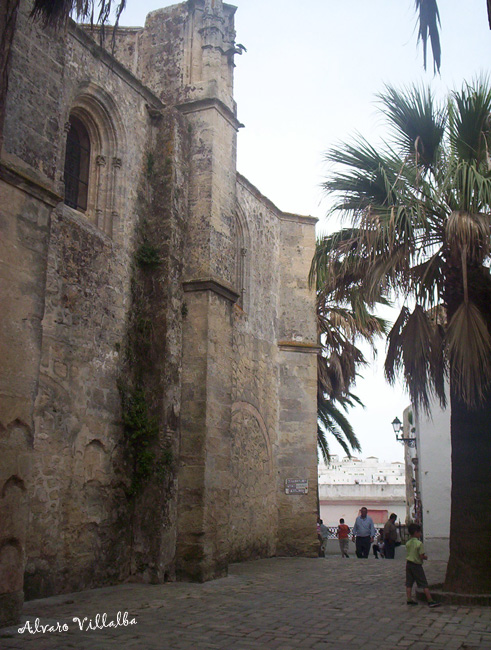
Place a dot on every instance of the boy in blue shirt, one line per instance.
(415, 554)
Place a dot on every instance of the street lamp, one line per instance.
(396, 425)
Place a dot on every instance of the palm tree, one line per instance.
(343, 317)
(420, 211)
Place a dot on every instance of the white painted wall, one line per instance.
(345, 485)
(331, 512)
(434, 467)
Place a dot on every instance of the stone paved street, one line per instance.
(285, 603)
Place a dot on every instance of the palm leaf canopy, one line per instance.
(343, 318)
(419, 213)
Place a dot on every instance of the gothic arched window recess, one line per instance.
(77, 161)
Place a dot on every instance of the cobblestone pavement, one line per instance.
(285, 603)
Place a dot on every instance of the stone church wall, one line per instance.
(158, 376)
(28, 194)
(276, 372)
(79, 275)
(253, 507)
(297, 341)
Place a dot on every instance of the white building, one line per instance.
(432, 463)
(345, 485)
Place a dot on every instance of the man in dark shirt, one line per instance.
(390, 537)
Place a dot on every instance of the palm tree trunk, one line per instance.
(469, 566)
(8, 18)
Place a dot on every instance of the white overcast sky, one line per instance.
(306, 82)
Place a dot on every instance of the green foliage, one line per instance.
(141, 431)
(164, 463)
(343, 318)
(150, 165)
(147, 256)
(330, 419)
(150, 459)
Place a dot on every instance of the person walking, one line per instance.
(363, 533)
(415, 554)
(343, 537)
(324, 533)
(319, 535)
(390, 537)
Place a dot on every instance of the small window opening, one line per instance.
(77, 160)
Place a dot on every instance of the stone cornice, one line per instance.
(80, 35)
(211, 284)
(297, 346)
(255, 192)
(298, 218)
(282, 216)
(193, 106)
(19, 178)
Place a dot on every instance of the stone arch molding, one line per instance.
(252, 494)
(98, 112)
(13, 482)
(251, 410)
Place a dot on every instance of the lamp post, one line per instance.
(396, 425)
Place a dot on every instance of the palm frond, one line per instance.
(418, 125)
(428, 279)
(469, 346)
(56, 12)
(469, 232)
(468, 187)
(331, 420)
(323, 444)
(429, 20)
(469, 131)
(368, 182)
(415, 346)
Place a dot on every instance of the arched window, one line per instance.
(77, 161)
(93, 169)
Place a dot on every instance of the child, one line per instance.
(415, 554)
(343, 536)
(378, 547)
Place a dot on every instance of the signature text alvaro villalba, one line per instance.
(85, 624)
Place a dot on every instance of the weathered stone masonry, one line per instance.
(177, 283)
